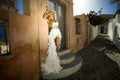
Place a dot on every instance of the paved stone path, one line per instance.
(96, 65)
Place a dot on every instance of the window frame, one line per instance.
(5, 24)
(78, 26)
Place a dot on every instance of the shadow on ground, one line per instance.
(96, 65)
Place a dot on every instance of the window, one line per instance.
(23, 6)
(118, 18)
(116, 29)
(4, 46)
(77, 25)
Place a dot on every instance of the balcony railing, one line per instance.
(8, 3)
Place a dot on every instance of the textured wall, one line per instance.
(94, 32)
(110, 30)
(116, 31)
(28, 38)
(24, 61)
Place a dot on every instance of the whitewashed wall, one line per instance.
(110, 30)
(93, 32)
(114, 31)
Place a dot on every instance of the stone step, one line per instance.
(68, 69)
(67, 58)
(64, 52)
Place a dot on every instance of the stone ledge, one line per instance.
(67, 58)
(64, 52)
(68, 69)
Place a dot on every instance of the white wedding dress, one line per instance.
(52, 63)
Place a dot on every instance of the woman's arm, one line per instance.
(57, 43)
(49, 16)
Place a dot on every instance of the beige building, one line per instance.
(81, 30)
(27, 35)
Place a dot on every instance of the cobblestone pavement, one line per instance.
(96, 65)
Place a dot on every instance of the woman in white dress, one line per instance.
(52, 63)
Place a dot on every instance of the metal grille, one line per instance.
(9, 2)
(51, 5)
(59, 11)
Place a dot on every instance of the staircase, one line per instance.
(71, 63)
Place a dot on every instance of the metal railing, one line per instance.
(8, 3)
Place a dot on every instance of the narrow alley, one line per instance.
(59, 39)
(96, 65)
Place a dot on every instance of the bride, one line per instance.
(52, 63)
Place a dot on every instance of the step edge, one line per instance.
(67, 61)
(65, 71)
(61, 53)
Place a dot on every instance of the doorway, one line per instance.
(102, 29)
(60, 11)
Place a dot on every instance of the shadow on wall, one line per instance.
(117, 37)
(93, 32)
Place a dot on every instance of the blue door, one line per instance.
(102, 29)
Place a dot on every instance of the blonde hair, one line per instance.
(50, 16)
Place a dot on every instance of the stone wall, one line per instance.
(110, 30)
(94, 32)
(114, 31)
(116, 34)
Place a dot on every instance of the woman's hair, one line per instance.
(49, 16)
